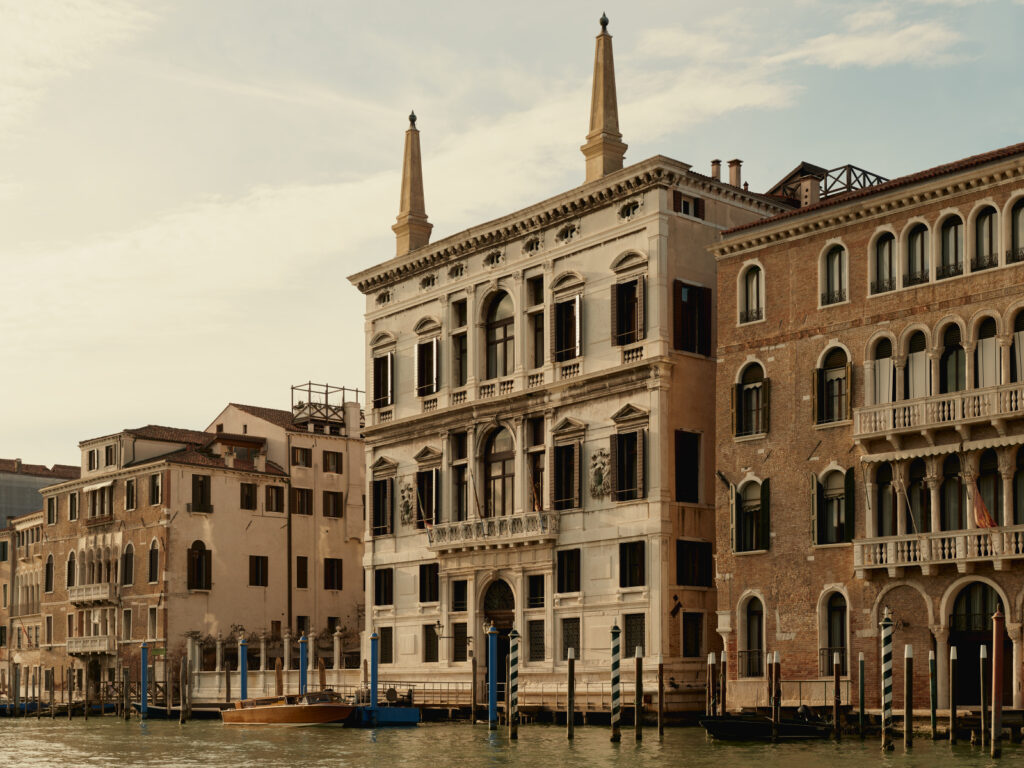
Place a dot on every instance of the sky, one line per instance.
(185, 186)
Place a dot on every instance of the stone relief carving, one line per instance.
(406, 507)
(600, 477)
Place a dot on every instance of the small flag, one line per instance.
(982, 518)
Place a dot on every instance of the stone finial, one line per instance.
(411, 228)
(412, 119)
(604, 22)
(604, 149)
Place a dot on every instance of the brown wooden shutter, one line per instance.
(641, 307)
(766, 515)
(849, 391)
(613, 480)
(704, 323)
(436, 518)
(553, 332)
(737, 410)
(641, 475)
(578, 330)
(734, 511)
(766, 404)
(850, 500)
(677, 314)
(815, 400)
(615, 314)
(698, 208)
(389, 504)
(551, 478)
(577, 502)
(816, 508)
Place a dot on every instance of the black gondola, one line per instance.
(759, 728)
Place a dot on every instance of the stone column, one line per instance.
(871, 520)
(969, 475)
(474, 340)
(942, 664)
(286, 662)
(899, 484)
(520, 325)
(447, 512)
(474, 491)
(1005, 343)
(969, 364)
(521, 501)
(901, 364)
(1007, 467)
(220, 653)
(263, 652)
(337, 647)
(1014, 630)
(311, 653)
(933, 482)
(934, 358)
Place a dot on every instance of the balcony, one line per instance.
(199, 506)
(883, 285)
(1014, 255)
(925, 414)
(494, 532)
(99, 519)
(984, 261)
(944, 271)
(833, 297)
(927, 551)
(750, 315)
(915, 278)
(93, 593)
(94, 644)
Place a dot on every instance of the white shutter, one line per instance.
(883, 380)
(578, 306)
(988, 363)
(416, 352)
(391, 379)
(1018, 344)
(436, 362)
(917, 364)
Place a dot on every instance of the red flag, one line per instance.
(982, 518)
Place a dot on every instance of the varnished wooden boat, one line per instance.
(321, 708)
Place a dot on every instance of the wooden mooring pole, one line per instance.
(182, 690)
(860, 694)
(126, 687)
(723, 684)
(998, 622)
(53, 686)
(638, 697)
(71, 689)
(933, 694)
(952, 694)
(908, 696)
(836, 698)
(661, 699)
(982, 669)
(570, 706)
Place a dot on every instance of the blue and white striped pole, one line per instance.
(886, 681)
(616, 734)
(302, 664)
(243, 666)
(492, 678)
(144, 692)
(513, 684)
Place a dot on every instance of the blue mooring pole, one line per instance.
(492, 678)
(302, 664)
(144, 693)
(373, 678)
(243, 667)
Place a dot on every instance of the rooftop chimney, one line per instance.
(716, 170)
(604, 149)
(810, 190)
(734, 172)
(412, 230)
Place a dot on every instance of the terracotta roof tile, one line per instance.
(273, 415)
(195, 458)
(58, 471)
(170, 434)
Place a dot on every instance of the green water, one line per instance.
(109, 741)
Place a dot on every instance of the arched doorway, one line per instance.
(499, 609)
(970, 628)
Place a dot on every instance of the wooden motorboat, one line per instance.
(321, 708)
(759, 728)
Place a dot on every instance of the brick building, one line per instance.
(20, 484)
(869, 405)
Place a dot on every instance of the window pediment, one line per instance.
(627, 261)
(428, 455)
(630, 413)
(427, 325)
(567, 282)
(384, 466)
(381, 340)
(568, 428)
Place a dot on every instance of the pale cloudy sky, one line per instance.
(185, 185)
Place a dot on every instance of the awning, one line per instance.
(943, 448)
(97, 486)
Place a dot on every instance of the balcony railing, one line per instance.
(750, 315)
(826, 660)
(984, 261)
(991, 545)
(93, 593)
(750, 663)
(949, 270)
(915, 278)
(199, 506)
(949, 410)
(1014, 255)
(94, 644)
(883, 286)
(833, 297)
(526, 528)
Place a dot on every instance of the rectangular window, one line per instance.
(154, 563)
(569, 570)
(566, 477)
(535, 290)
(694, 563)
(634, 634)
(535, 594)
(301, 572)
(460, 602)
(691, 315)
(302, 625)
(537, 336)
(460, 641)
(302, 457)
(386, 636)
(429, 583)
(156, 490)
(3, 637)
(427, 367)
(258, 571)
(275, 498)
(332, 623)
(628, 312)
(693, 634)
(631, 564)
(109, 455)
(201, 494)
(687, 467)
(126, 625)
(567, 342)
(428, 497)
(627, 460)
(247, 496)
(460, 493)
(93, 458)
(73, 506)
(383, 373)
(334, 462)
(570, 637)
(460, 360)
(535, 639)
(48, 631)
(3, 551)
(334, 504)
(51, 510)
(129, 494)
(429, 643)
(383, 586)
(302, 501)
(152, 623)
(383, 506)
(332, 573)
(459, 314)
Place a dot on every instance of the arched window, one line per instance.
(751, 406)
(751, 658)
(751, 306)
(128, 565)
(919, 510)
(71, 570)
(154, 563)
(915, 374)
(1016, 252)
(500, 335)
(1018, 489)
(973, 608)
(986, 254)
(990, 484)
(499, 474)
(951, 257)
(986, 355)
(833, 283)
(48, 575)
(953, 496)
(953, 363)
(832, 390)
(1017, 348)
(885, 372)
(917, 255)
(835, 500)
(752, 516)
(885, 502)
(835, 636)
(200, 566)
(885, 265)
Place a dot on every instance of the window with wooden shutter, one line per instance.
(698, 208)
(613, 463)
(677, 314)
(817, 396)
(850, 499)
(641, 307)
(817, 510)
(738, 428)
(766, 402)
(766, 518)
(578, 322)
(735, 505)
(641, 475)
(614, 321)
(847, 408)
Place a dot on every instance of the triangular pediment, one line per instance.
(629, 412)
(384, 465)
(568, 425)
(427, 454)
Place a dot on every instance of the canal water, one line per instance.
(109, 742)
